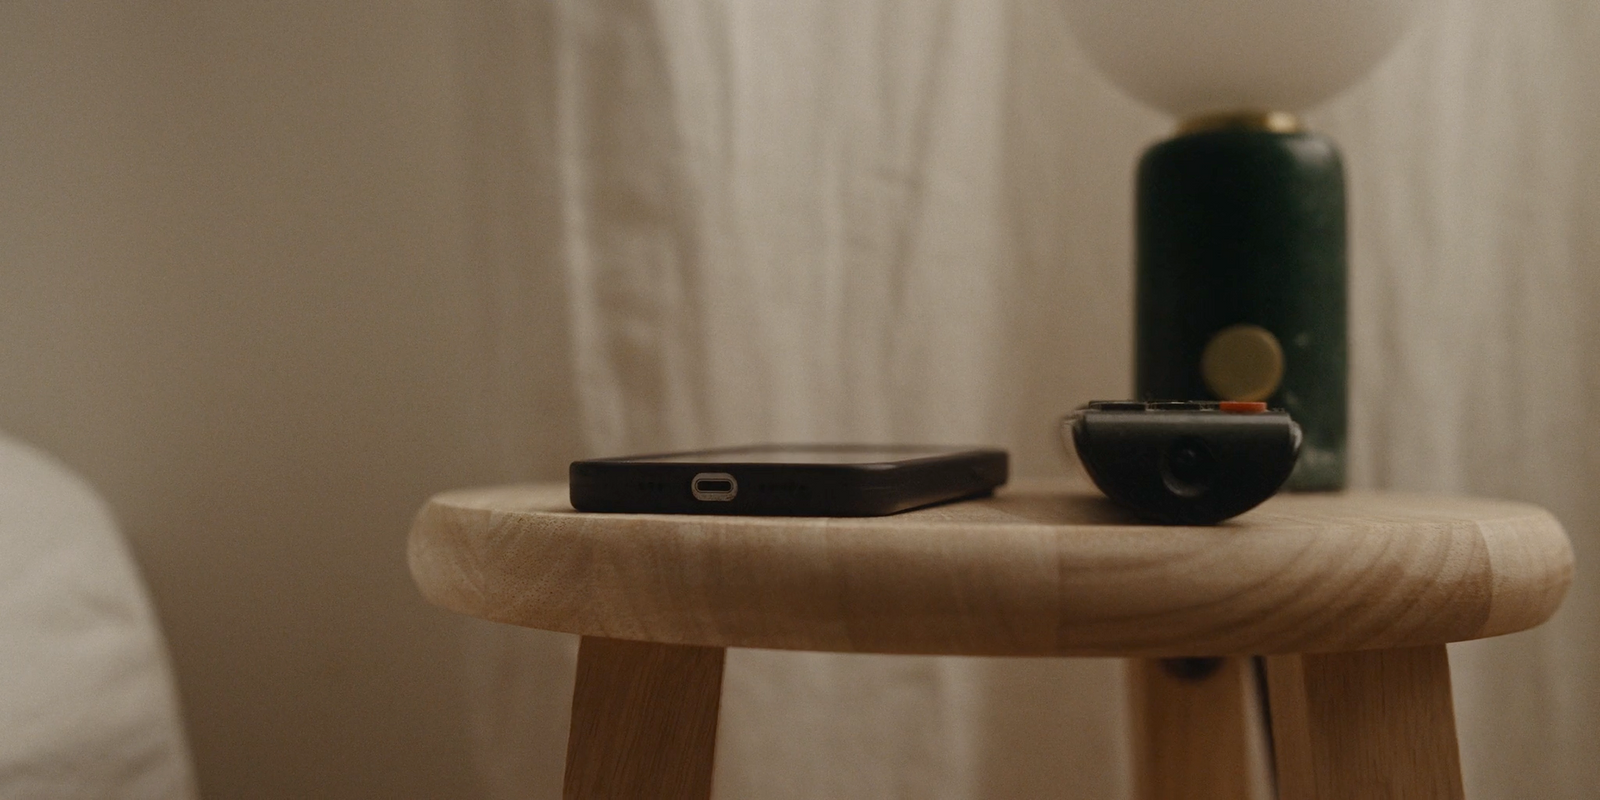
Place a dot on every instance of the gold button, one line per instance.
(1242, 362)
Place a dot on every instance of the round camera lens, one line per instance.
(1188, 468)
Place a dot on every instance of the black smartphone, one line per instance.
(788, 480)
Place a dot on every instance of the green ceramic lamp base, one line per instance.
(1241, 277)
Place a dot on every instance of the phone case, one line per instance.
(749, 481)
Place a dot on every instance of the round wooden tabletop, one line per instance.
(1037, 570)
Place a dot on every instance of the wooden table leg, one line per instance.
(1191, 735)
(1373, 724)
(644, 720)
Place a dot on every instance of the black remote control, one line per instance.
(1184, 462)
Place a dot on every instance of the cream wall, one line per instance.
(237, 293)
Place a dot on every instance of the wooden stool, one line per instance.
(1352, 597)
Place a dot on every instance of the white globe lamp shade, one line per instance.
(1197, 57)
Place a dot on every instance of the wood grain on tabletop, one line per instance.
(1038, 569)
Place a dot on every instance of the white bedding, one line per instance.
(87, 705)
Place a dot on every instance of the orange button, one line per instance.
(1242, 406)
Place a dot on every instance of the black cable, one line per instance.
(1258, 665)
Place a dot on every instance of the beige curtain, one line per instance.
(908, 221)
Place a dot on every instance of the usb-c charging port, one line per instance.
(714, 486)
